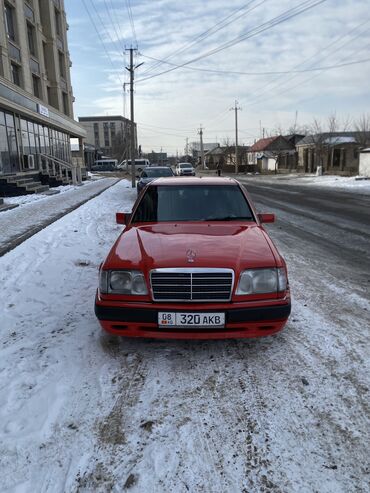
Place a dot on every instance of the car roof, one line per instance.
(156, 167)
(201, 180)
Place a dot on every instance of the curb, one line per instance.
(35, 229)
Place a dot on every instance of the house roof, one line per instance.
(261, 144)
(219, 150)
(216, 151)
(335, 138)
(278, 143)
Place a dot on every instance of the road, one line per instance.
(330, 225)
(81, 411)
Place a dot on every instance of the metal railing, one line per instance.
(58, 168)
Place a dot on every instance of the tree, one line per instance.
(362, 126)
(121, 145)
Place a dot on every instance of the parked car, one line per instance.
(140, 164)
(104, 165)
(151, 173)
(184, 169)
(195, 262)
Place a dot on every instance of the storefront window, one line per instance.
(9, 120)
(32, 143)
(33, 139)
(5, 166)
(13, 150)
(25, 142)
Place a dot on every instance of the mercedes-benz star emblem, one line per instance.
(190, 254)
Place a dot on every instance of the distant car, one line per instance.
(193, 262)
(104, 165)
(185, 169)
(140, 164)
(151, 173)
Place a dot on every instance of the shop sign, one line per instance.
(43, 110)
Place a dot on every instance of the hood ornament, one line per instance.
(191, 255)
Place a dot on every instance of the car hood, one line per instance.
(213, 244)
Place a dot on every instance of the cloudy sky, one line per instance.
(263, 53)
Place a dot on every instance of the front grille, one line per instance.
(192, 284)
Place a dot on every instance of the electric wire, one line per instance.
(119, 25)
(104, 28)
(283, 17)
(209, 32)
(131, 19)
(273, 86)
(100, 38)
(321, 58)
(279, 72)
(118, 36)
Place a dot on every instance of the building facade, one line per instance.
(335, 152)
(223, 157)
(36, 98)
(271, 154)
(109, 134)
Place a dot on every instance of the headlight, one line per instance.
(260, 281)
(122, 282)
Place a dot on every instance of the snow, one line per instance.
(340, 140)
(355, 184)
(81, 411)
(37, 210)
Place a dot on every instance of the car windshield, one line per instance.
(155, 172)
(193, 203)
(185, 165)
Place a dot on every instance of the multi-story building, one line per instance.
(36, 113)
(109, 135)
(157, 157)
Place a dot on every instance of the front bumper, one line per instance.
(242, 320)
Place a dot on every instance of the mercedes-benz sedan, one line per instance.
(193, 261)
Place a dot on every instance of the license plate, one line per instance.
(175, 319)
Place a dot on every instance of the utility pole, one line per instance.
(202, 163)
(187, 149)
(132, 69)
(124, 98)
(236, 109)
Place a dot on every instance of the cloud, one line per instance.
(334, 32)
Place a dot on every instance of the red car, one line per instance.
(194, 262)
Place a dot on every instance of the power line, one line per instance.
(119, 41)
(285, 16)
(100, 38)
(104, 27)
(209, 32)
(165, 128)
(321, 58)
(131, 18)
(280, 72)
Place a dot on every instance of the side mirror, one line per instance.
(123, 218)
(266, 218)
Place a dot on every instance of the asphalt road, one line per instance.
(328, 226)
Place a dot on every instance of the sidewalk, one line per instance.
(343, 183)
(36, 212)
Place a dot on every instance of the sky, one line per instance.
(284, 70)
